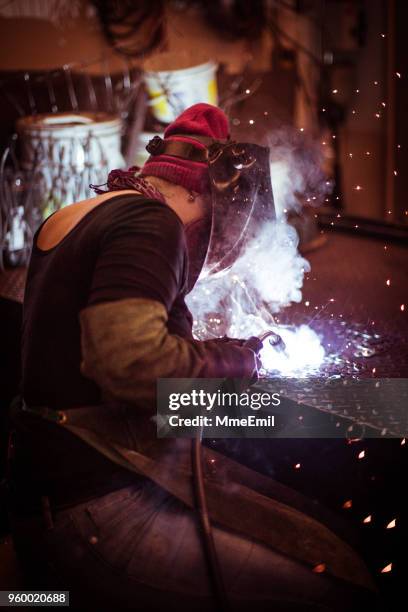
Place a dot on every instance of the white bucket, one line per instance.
(171, 91)
(74, 149)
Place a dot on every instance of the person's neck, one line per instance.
(179, 199)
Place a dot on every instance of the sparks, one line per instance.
(361, 454)
(297, 466)
(388, 282)
(358, 187)
(386, 569)
(367, 519)
(303, 352)
(319, 568)
(391, 524)
(348, 504)
(402, 307)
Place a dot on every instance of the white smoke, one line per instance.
(296, 171)
(266, 277)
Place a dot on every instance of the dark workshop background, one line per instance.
(334, 70)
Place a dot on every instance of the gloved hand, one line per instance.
(255, 344)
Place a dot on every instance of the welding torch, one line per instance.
(255, 343)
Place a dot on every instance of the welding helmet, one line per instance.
(240, 189)
(242, 200)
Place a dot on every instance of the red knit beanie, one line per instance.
(201, 120)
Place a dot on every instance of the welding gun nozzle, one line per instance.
(275, 340)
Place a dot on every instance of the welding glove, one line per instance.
(254, 344)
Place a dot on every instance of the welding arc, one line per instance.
(211, 556)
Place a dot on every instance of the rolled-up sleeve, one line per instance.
(125, 341)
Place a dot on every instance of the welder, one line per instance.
(100, 506)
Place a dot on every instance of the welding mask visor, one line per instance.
(242, 201)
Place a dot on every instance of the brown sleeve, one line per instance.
(126, 346)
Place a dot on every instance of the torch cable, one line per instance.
(210, 552)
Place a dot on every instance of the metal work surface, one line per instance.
(355, 298)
